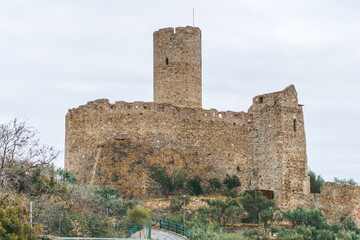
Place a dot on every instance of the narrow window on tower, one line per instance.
(294, 125)
(167, 61)
(261, 99)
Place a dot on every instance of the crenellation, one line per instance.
(143, 107)
(177, 66)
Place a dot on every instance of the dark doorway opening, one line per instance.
(266, 193)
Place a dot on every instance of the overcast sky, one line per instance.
(58, 54)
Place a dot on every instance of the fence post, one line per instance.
(31, 214)
(176, 227)
(183, 230)
(59, 226)
(168, 226)
(160, 223)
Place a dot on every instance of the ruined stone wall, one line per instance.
(337, 202)
(177, 66)
(278, 138)
(117, 143)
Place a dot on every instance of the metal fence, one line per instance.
(141, 231)
(92, 227)
(171, 226)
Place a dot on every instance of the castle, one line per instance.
(265, 147)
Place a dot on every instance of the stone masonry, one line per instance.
(177, 66)
(265, 147)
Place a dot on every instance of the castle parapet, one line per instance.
(152, 108)
(286, 98)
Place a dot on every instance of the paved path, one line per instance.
(162, 235)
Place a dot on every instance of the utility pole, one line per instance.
(184, 206)
(31, 203)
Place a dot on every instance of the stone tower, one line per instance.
(177, 66)
(279, 147)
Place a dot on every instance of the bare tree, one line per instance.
(21, 150)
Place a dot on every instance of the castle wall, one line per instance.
(278, 137)
(177, 66)
(117, 143)
(337, 202)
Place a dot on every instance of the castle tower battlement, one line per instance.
(177, 66)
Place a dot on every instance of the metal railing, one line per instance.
(138, 229)
(171, 227)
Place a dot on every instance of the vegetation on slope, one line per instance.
(63, 207)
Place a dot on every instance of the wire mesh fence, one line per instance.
(66, 223)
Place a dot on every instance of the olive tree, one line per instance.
(20, 151)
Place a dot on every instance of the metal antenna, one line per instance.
(193, 17)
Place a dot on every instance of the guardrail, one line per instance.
(172, 227)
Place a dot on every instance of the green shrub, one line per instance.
(138, 215)
(230, 193)
(349, 225)
(194, 186)
(232, 181)
(223, 211)
(177, 203)
(214, 184)
(206, 231)
(345, 181)
(316, 182)
(14, 220)
(110, 198)
(168, 183)
(257, 206)
(300, 216)
(66, 175)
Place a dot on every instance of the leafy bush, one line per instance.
(110, 198)
(230, 193)
(300, 216)
(14, 219)
(168, 183)
(194, 186)
(255, 234)
(311, 233)
(316, 182)
(206, 231)
(257, 206)
(84, 225)
(232, 181)
(214, 184)
(223, 211)
(177, 203)
(66, 175)
(345, 181)
(138, 215)
(349, 225)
